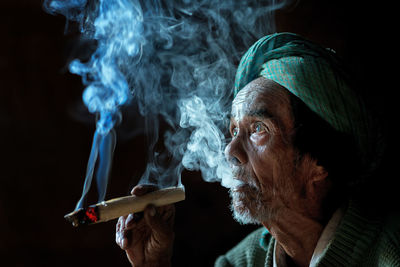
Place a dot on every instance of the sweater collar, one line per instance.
(354, 234)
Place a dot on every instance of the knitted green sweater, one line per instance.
(361, 239)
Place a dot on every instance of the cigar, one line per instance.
(114, 208)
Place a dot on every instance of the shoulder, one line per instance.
(391, 229)
(387, 245)
(248, 252)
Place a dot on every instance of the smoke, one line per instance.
(177, 61)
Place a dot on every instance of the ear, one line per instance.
(318, 184)
(314, 173)
(319, 174)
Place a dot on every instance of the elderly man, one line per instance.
(302, 143)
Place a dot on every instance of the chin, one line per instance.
(246, 205)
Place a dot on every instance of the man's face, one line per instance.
(261, 153)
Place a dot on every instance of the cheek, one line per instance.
(259, 140)
(262, 157)
(261, 153)
(269, 158)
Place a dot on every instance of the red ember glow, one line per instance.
(91, 214)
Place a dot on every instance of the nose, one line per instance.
(235, 153)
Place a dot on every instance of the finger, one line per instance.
(143, 189)
(119, 232)
(119, 239)
(120, 229)
(122, 221)
(133, 219)
(118, 224)
(125, 240)
(129, 220)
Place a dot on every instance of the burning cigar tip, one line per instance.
(82, 216)
(114, 208)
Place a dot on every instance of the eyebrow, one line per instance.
(260, 113)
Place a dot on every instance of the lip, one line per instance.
(242, 184)
(241, 188)
(239, 174)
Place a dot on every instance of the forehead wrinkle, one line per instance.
(253, 109)
(242, 103)
(269, 102)
(260, 113)
(239, 108)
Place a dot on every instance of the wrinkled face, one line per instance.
(261, 153)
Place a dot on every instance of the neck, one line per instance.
(296, 233)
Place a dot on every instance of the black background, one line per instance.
(46, 135)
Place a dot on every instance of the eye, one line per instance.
(258, 127)
(234, 131)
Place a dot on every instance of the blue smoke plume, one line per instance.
(176, 60)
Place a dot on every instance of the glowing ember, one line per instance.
(91, 214)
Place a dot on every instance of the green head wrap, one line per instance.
(315, 75)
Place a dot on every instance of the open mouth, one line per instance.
(243, 185)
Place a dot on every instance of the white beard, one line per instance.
(248, 211)
(243, 215)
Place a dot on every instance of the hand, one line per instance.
(147, 237)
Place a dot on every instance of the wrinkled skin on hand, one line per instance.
(147, 237)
